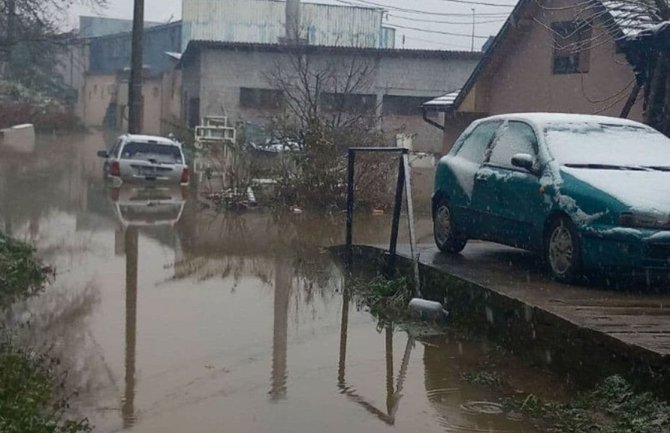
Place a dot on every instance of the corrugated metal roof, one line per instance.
(630, 17)
(307, 49)
(443, 101)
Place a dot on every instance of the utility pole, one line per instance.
(135, 84)
(472, 46)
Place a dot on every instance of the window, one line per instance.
(262, 99)
(572, 47)
(515, 137)
(162, 153)
(474, 145)
(348, 103)
(404, 105)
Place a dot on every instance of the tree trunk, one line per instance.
(655, 104)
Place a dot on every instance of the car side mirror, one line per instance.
(103, 154)
(523, 160)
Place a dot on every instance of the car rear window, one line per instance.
(161, 153)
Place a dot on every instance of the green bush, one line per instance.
(29, 387)
(21, 274)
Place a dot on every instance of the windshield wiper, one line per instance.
(610, 167)
(659, 168)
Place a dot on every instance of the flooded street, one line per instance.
(172, 318)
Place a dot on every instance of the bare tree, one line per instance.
(31, 36)
(330, 104)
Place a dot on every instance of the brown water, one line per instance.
(171, 318)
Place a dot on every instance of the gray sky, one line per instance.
(447, 24)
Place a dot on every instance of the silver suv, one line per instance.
(145, 158)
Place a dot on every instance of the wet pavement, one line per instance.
(172, 318)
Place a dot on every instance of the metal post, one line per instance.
(135, 83)
(395, 225)
(350, 209)
(410, 220)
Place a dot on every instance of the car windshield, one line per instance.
(596, 145)
(159, 153)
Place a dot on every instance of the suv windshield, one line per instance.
(160, 153)
(607, 146)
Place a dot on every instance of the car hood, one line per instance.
(639, 190)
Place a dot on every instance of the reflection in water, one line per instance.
(131, 247)
(280, 330)
(394, 386)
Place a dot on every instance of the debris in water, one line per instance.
(428, 310)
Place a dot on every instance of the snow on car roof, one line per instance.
(151, 138)
(543, 119)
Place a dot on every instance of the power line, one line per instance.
(416, 11)
(468, 23)
(438, 32)
(480, 3)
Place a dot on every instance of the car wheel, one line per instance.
(445, 231)
(562, 250)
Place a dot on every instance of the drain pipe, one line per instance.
(429, 120)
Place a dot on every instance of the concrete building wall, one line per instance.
(263, 21)
(105, 103)
(401, 85)
(98, 92)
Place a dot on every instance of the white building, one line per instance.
(264, 21)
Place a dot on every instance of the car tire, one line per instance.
(562, 251)
(444, 230)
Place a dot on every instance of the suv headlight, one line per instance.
(648, 220)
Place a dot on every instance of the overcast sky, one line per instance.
(430, 24)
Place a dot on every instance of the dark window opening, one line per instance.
(348, 103)
(572, 47)
(264, 99)
(404, 105)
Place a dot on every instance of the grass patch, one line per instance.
(490, 379)
(613, 407)
(386, 298)
(31, 383)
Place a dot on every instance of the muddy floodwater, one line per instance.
(171, 318)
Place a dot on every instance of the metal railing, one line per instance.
(404, 183)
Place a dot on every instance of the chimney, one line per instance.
(293, 22)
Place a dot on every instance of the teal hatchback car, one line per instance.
(589, 193)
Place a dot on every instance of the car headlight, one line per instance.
(648, 220)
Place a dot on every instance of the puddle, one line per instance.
(174, 319)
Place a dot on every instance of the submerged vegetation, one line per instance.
(386, 298)
(612, 407)
(31, 382)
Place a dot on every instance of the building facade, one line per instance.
(238, 80)
(551, 56)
